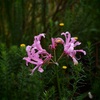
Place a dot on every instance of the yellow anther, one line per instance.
(76, 38)
(22, 45)
(61, 24)
(64, 67)
(58, 41)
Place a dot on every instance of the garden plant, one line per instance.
(49, 50)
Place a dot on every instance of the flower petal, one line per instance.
(34, 69)
(75, 61)
(81, 51)
(40, 69)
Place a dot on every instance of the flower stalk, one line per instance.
(58, 81)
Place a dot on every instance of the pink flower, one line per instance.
(37, 43)
(36, 54)
(55, 41)
(69, 47)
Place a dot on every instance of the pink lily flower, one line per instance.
(69, 47)
(36, 54)
(37, 43)
(55, 41)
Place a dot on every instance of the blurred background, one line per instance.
(21, 20)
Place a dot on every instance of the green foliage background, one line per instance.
(21, 20)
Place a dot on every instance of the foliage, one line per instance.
(17, 83)
(20, 21)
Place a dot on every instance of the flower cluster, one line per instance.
(69, 45)
(36, 54)
(39, 56)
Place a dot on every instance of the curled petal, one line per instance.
(81, 51)
(28, 48)
(53, 45)
(73, 40)
(75, 61)
(38, 37)
(40, 69)
(67, 36)
(65, 33)
(59, 40)
(77, 43)
(29, 60)
(37, 43)
(34, 69)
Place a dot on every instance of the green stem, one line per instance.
(55, 55)
(60, 56)
(53, 61)
(57, 74)
(58, 82)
